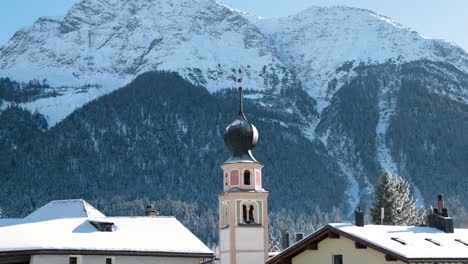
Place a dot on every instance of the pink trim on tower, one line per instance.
(258, 180)
(234, 177)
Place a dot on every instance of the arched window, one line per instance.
(246, 177)
(251, 214)
(244, 213)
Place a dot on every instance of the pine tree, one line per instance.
(273, 243)
(393, 194)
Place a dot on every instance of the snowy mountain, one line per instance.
(205, 42)
(366, 92)
(317, 41)
(110, 42)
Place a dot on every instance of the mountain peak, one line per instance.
(347, 34)
(110, 42)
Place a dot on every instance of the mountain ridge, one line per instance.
(206, 43)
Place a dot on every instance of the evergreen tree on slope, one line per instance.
(393, 194)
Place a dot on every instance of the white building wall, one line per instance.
(63, 259)
(225, 258)
(250, 258)
(224, 239)
(250, 238)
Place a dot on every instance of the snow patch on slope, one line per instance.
(387, 106)
(352, 188)
(55, 109)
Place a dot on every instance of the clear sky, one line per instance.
(444, 19)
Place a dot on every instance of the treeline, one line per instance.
(20, 92)
(161, 136)
(19, 128)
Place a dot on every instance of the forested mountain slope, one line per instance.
(339, 95)
(161, 137)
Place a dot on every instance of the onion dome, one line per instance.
(240, 137)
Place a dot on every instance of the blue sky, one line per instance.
(431, 18)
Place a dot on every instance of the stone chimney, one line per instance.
(299, 237)
(359, 217)
(440, 218)
(151, 210)
(285, 239)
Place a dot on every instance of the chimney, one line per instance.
(285, 239)
(151, 210)
(440, 218)
(440, 203)
(299, 237)
(359, 217)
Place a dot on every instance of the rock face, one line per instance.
(110, 42)
(352, 92)
(317, 41)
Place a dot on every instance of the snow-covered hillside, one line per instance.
(110, 42)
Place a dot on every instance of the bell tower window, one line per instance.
(251, 214)
(246, 177)
(244, 213)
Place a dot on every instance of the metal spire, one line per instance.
(241, 107)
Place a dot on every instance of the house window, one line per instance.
(337, 259)
(73, 260)
(246, 177)
(109, 261)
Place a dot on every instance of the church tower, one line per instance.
(243, 218)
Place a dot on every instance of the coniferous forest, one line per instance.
(160, 139)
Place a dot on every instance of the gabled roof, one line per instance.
(64, 209)
(68, 232)
(405, 243)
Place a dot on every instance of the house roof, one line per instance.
(72, 232)
(406, 243)
(64, 209)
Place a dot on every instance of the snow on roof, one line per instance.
(70, 231)
(64, 209)
(412, 242)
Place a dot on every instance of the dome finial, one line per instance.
(241, 136)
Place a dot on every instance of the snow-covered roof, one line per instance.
(412, 242)
(406, 243)
(64, 209)
(71, 231)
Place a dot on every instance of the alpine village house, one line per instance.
(74, 232)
